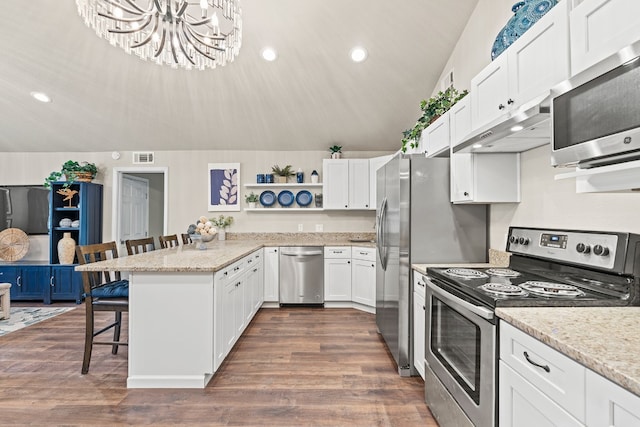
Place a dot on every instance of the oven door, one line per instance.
(460, 351)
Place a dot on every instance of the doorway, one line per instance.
(139, 203)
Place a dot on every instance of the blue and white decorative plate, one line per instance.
(526, 13)
(304, 198)
(267, 198)
(285, 198)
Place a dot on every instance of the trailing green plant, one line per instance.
(285, 171)
(71, 170)
(431, 109)
(222, 221)
(335, 149)
(251, 197)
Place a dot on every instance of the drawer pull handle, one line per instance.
(545, 367)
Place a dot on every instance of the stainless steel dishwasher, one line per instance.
(302, 275)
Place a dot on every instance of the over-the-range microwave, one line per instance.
(595, 115)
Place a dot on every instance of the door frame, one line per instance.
(115, 199)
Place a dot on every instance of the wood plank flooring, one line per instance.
(292, 367)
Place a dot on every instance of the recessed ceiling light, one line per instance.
(41, 96)
(516, 128)
(269, 54)
(358, 54)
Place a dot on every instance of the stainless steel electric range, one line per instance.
(547, 268)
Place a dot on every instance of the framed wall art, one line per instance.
(224, 187)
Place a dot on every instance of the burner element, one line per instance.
(554, 290)
(465, 273)
(503, 272)
(502, 289)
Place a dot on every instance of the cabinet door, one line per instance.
(66, 284)
(335, 188)
(337, 280)
(222, 317)
(600, 28)
(461, 177)
(239, 306)
(608, 404)
(485, 178)
(490, 92)
(438, 135)
(10, 274)
(271, 274)
(523, 405)
(33, 283)
(358, 184)
(229, 310)
(539, 59)
(419, 312)
(460, 120)
(363, 282)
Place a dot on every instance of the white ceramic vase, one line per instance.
(66, 249)
(252, 205)
(222, 234)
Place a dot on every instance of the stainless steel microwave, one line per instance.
(595, 116)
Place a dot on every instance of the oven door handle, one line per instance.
(483, 312)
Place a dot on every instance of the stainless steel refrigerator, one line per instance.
(417, 224)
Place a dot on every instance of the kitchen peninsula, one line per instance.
(188, 307)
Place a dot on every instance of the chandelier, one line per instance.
(188, 34)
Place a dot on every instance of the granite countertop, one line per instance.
(496, 259)
(604, 339)
(220, 254)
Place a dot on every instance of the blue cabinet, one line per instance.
(65, 283)
(26, 281)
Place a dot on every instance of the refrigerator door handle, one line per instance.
(381, 243)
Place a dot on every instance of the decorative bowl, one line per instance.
(65, 222)
(207, 237)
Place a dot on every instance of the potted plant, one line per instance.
(72, 171)
(221, 223)
(282, 174)
(432, 109)
(336, 151)
(251, 199)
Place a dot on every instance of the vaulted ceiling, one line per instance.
(311, 97)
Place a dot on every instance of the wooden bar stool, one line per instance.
(138, 246)
(170, 241)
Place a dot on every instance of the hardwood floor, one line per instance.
(292, 367)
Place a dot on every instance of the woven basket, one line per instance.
(84, 176)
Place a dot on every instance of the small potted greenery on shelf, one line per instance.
(432, 109)
(72, 171)
(336, 151)
(251, 199)
(282, 174)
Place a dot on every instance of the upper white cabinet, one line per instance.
(460, 120)
(437, 136)
(533, 64)
(346, 183)
(600, 28)
(485, 178)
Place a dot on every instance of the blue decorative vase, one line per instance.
(526, 13)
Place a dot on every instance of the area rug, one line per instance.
(22, 317)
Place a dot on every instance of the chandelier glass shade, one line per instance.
(189, 34)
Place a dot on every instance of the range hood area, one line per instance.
(520, 130)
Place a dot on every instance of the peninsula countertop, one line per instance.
(220, 254)
(604, 339)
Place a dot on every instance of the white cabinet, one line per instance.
(460, 120)
(537, 370)
(437, 136)
(375, 164)
(419, 322)
(485, 178)
(608, 404)
(271, 274)
(600, 28)
(346, 183)
(528, 68)
(337, 273)
(363, 276)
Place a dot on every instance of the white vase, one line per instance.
(66, 249)
(252, 205)
(222, 234)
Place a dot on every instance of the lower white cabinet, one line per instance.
(485, 178)
(337, 273)
(363, 276)
(419, 323)
(539, 386)
(271, 274)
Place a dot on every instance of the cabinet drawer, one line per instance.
(556, 375)
(419, 283)
(365, 254)
(337, 252)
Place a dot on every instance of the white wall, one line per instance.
(187, 192)
(545, 202)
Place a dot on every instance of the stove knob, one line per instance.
(524, 241)
(513, 239)
(582, 248)
(600, 250)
